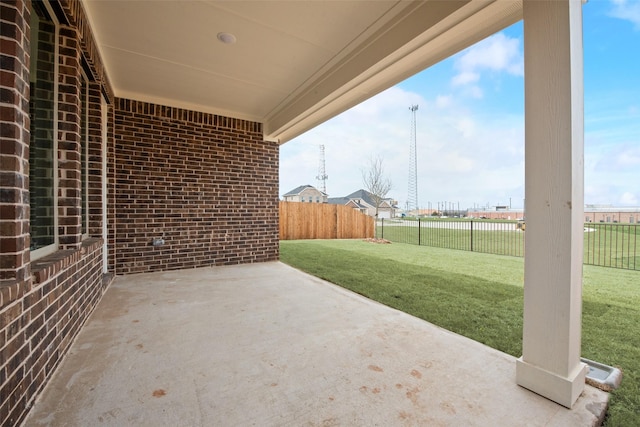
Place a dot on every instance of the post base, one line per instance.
(564, 391)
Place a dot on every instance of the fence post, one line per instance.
(471, 234)
(382, 229)
(419, 231)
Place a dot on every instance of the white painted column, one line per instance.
(554, 189)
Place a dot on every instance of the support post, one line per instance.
(554, 167)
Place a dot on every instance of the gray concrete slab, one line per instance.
(268, 345)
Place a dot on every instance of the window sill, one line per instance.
(46, 267)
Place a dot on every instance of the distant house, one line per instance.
(364, 202)
(305, 193)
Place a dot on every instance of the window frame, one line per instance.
(43, 251)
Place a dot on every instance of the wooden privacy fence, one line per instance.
(323, 221)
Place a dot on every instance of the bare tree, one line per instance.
(375, 182)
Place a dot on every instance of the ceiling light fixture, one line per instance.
(226, 38)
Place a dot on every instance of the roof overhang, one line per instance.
(294, 64)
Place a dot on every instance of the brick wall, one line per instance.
(95, 159)
(37, 328)
(43, 303)
(14, 145)
(111, 191)
(69, 154)
(205, 184)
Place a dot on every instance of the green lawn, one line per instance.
(480, 296)
(605, 244)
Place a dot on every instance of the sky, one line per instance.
(470, 124)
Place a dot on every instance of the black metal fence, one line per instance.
(605, 244)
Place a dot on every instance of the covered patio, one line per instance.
(143, 137)
(268, 345)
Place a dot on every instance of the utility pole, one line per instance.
(412, 198)
(322, 174)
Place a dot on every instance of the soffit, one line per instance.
(295, 63)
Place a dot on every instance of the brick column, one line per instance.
(69, 165)
(14, 141)
(95, 160)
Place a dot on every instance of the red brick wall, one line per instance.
(631, 216)
(95, 160)
(38, 324)
(205, 184)
(43, 303)
(69, 196)
(14, 143)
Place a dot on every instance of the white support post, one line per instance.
(554, 189)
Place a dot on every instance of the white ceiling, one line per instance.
(294, 65)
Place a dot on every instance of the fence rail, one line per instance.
(323, 221)
(605, 244)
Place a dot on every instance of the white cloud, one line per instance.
(498, 53)
(629, 199)
(611, 172)
(465, 77)
(466, 126)
(474, 91)
(622, 157)
(463, 156)
(628, 10)
(444, 101)
(470, 135)
(629, 157)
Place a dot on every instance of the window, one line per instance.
(631, 220)
(302, 199)
(43, 142)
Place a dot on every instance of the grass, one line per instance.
(606, 244)
(480, 296)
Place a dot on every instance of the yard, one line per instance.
(605, 244)
(480, 296)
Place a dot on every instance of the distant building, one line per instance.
(424, 212)
(305, 194)
(592, 213)
(363, 201)
(498, 212)
(599, 213)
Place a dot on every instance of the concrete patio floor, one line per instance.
(268, 345)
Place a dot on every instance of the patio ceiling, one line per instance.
(294, 64)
